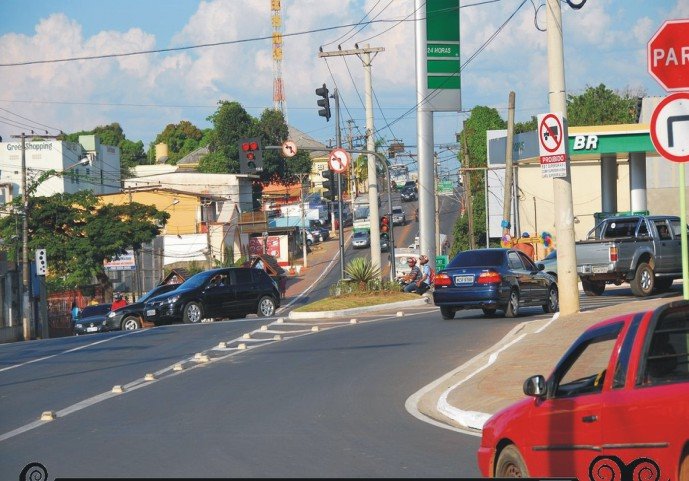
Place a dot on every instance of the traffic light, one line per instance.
(324, 103)
(41, 262)
(384, 224)
(250, 156)
(328, 192)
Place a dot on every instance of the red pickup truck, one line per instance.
(616, 406)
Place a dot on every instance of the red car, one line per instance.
(616, 407)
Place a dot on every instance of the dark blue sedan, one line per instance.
(492, 279)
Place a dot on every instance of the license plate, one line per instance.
(151, 312)
(464, 279)
(599, 269)
(91, 329)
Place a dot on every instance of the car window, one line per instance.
(478, 258)
(526, 262)
(676, 229)
(663, 230)
(617, 228)
(667, 358)
(514, 261)
(397, 210)
(622, 365)
(585, 368)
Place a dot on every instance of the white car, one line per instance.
(361, 239)
(398, 216)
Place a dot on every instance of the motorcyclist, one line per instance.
(409, 280)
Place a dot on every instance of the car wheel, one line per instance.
(510, 464)
(684, 469)
(266, 306)
(489, 311)
(593, 288)
(447, 313)
(512, 307)
(552, 302)
(309, 242)
(642, 284)
(663, 283)
(131, 323)
(193, 314)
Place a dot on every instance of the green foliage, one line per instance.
(361, 270)
(602, 106)
(214, 163)
(181, 139)
(79, 234)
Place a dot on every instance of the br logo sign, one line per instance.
(668, 55)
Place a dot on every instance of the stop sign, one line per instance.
(668, 55)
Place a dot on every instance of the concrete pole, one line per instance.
(637, 181)
(507, 194)
(372, 177)
(438, 247)
(568, 280)
(424, 133)
(608, 183)
(340, 204)
(26, 303)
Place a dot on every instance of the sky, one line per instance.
(605, 42)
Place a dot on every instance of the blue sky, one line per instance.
(605, 42)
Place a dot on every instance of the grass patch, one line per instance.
(358, 299)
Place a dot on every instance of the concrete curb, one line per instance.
(422, 301)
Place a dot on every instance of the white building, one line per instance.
(86, 165)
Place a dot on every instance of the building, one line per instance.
(87, 165)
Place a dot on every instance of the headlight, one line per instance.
(172, 300)
(103, 323)
(78, 326)
(111, 314)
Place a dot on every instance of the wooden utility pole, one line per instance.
(467, 191)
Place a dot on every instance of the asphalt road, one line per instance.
(326, 404)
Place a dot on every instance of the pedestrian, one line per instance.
(282, 284)
(119, 302)
(424, 282)
(75, 310)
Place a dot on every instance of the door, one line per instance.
(245, 292)
(523, 276)
(566, 426)
(539, 282)
(664, 247)
(216, 294)
(674, 255)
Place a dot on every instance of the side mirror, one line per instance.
(540, 266)
(535, 386)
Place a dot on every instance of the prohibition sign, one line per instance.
(338, 160)
(550, 135)
(670, 127)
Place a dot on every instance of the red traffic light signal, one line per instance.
(250, 156)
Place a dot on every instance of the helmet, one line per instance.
(411, 260)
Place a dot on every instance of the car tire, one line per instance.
(266, 307)
(552, 303)
(663, 283)
(511, 464)
(684, 468)
(593, 288)
(447, 313)
(489, 311)
(193, 313)
(644, 279)
(131, 323)
(512, 307)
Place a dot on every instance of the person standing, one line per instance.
(75, 311)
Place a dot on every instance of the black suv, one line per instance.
(130, 317)
(408, 194)
(216, 294)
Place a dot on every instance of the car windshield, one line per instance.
(478, 258)
(397, 210)
(157, 290)
(95, 310)
(360, 234)
(197, 280)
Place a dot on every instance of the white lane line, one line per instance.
(69, 350)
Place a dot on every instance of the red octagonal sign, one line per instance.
(668, 55)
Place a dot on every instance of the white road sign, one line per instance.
(670, 127)
(289, 148)
(339, 160)
(552, 145)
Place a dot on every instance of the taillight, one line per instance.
(489, 277)
(613, 254)
(442, 280)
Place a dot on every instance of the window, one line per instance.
(675, 226)
(667, 358)
(643, 230)
(514, 261)
(528, 263)
(584, 370)
(620, 228)
(663, 230)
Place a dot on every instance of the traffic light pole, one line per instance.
(338, 137)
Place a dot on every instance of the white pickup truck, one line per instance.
(645, 251)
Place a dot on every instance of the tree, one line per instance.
(473, 144)
(79, 234)
(231, 123)
(602, 106)
(181, 139)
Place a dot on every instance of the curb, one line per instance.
(358, 310)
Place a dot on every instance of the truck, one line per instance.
(643, 250)
(614, 403)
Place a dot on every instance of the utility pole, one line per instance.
(365, 55)
(340, 204)
(438, 246)
(467, 191)
(303, 226)
(507, 196)
(568, 280)
(27, 312)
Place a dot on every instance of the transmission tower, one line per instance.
(279, 102)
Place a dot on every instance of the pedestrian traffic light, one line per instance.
(328, 191)
(250, 156)
(41, 262)
(324, 103)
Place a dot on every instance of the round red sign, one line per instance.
(668, 61)
(670, 127)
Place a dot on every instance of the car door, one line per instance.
(216, 294)
(674, 255)
(539, 281)
(566, 428)
(522, 275)
(664, 247)
(646, 416)
(246, 292)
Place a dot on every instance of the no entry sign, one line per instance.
(552, 146)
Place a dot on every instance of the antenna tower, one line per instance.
(279, 102)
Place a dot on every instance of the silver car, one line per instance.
(398, 216)
(361, 239)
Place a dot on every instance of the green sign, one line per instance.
(442, 55)
(441, 262)
(445, 187)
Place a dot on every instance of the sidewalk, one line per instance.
(469, 395)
